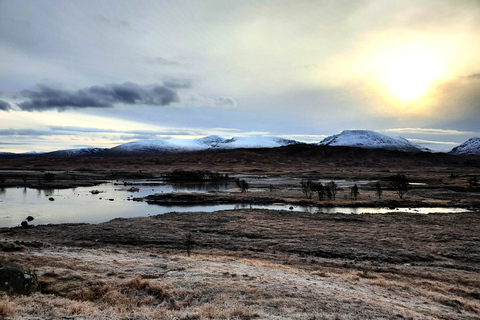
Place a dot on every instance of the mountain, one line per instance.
(169, 146)
(255, 142)
(369, 140)
(69, 153)
(471, 146)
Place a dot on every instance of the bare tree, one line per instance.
(399, 184)
(354, 191)
(308, 188)
(189, 243)
(328, 192)
(333, 188)
(320, 189)
(242, 185)
(378, 189)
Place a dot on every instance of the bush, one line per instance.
(195, 176)
(15, 279)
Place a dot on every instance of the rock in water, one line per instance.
(15, 279)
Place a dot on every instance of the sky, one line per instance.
(99, 73)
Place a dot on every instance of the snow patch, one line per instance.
(369, 140)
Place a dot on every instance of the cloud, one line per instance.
(107, 96)
(27, 132)
(114, 22)
(177, 84)
(5, 106)
(149, 133)
(164, 62)
(195, 100)
(474, 76)
(428, 131)
(434, 143)
(226, 101)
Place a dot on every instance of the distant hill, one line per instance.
(69, 153)
(169, 146)
(363, 139)
(471, 146)
(370, 140)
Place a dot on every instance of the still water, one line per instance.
(81, 205)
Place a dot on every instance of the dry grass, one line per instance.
(245, 266)
(122, 283)
(7, 307)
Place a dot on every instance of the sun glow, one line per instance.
(409, 76)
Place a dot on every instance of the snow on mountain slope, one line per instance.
(471, 146)
(70, 153)
(255, 142)
(175, 145)
(368, 140)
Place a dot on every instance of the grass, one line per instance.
(245, 266)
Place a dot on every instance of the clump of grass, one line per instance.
(134, 292)
(7, 308)
(152, 288)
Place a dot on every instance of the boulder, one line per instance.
(15, 279)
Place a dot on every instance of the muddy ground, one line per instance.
(257, 264)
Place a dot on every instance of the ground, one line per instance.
(258, 264)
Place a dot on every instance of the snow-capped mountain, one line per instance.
(471, 146)
(174, 145)
(369, 140)
(255, 142)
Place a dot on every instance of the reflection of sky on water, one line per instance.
(80, 205)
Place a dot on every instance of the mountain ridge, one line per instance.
(471, 146)
(364, 139)
(369, 140)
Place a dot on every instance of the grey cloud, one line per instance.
(97, 97)
(27, 132)
(144, 133)
(164, 62)
(114, 22)
(80, 129)
(13, 143)
(138, 137)
(227, 102)
(177, 84)
(4, 105)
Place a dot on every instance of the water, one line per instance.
(80, 205)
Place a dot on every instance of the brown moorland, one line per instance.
(265, 264)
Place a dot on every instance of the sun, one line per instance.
(408, 76)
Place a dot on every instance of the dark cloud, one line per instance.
(4, 105)
(98, 97)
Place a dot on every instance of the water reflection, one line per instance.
(81, 205)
